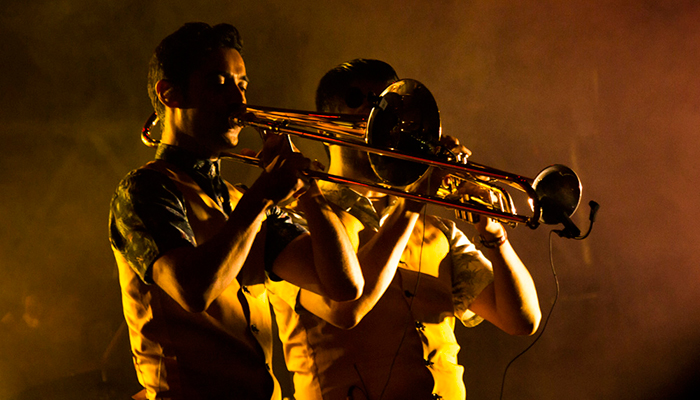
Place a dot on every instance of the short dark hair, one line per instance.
(181, 53)
(336, 87)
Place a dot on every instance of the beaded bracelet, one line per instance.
(495, 243)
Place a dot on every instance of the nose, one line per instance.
(237, 95)
(242, 94)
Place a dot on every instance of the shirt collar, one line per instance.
(188, 161)
(355, 204)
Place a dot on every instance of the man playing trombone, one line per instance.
(194, 252)
(396, 341)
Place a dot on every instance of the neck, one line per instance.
(173, 136)
(379, 199)
(193, 147)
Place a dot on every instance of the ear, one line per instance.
(169, 94)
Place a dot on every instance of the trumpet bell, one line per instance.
(406, 119)
(558, 190)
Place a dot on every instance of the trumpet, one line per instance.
(402, 138)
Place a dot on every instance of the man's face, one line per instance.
(365, 87)
(214, 92)
(355, 163)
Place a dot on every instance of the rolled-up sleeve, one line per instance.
(281, 230)
(472, 272)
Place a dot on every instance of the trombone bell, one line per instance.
(405, 119)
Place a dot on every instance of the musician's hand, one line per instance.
(283, 167)
(274, 144)
(489, 228)
(431, 180)
(452, 144)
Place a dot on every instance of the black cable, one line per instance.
(549, 314)
(362, 389)
(568, 234)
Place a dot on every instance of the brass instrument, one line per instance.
(402, 136)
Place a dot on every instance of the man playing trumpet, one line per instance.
(396, 341)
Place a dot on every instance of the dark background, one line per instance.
(610, 88)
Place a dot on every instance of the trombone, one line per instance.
(401, 136)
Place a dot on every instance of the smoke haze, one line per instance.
(610, 89)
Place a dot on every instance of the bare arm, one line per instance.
(379, 258)
(510, 301)
(334, 271)
(195, 276)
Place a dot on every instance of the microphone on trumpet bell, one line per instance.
(571, 231)
(558, 214)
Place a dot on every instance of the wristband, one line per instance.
(495, 243)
